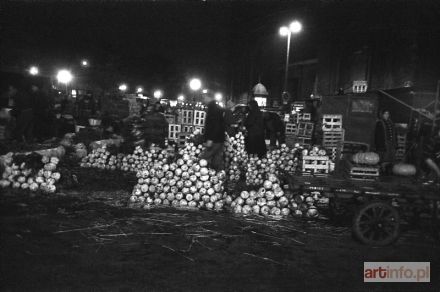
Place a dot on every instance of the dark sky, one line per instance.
(163, 43)
(149, 43)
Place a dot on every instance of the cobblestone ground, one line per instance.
(85, 238)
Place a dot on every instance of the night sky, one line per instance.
(163, 43)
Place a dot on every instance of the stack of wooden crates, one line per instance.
(299, 130)
(332, 133)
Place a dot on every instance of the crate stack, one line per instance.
(401, 146)
(315, 165)
(332, 132)
(299, 129)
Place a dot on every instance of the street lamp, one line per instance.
(84, 63)
(34, 70)
(195, 84)
(157, 94)
(139, 90)
(123, 87)
(205, 91)
(294, 27)
(218, 96)
(64, 76)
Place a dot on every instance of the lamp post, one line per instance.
(34, 70)
(195, 84)
(123, 87)
(294, 27)
(158, 94)
(64, 76)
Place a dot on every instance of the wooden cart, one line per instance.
(377, 207)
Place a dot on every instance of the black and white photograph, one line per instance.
(220, 145)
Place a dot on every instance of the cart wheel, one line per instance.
(376, 223)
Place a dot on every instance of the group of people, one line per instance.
(25, 113)
(219, 120)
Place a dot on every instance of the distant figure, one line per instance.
(275, 128)
(230, 123)
(155, 126)
(42, 115)
(385, 140)
(255, 142)
(214, 134)
(23, 113)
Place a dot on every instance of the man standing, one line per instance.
(214, 135)
(155, 126)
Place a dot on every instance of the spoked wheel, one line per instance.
(377, 223)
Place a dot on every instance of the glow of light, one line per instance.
(205, 91)
(85, 63)
(295, 27)
(34, 70)
(218, 96)
(73, 92)
(181, 98)
(284, 31)
(195, 84)
(221, 104)
(139, 89)
(64, 76)
(173, 103)
(123, 87)
(157, 94)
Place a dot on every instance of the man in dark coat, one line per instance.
(385, 140)
(254, 123)
(23, 113)
(154, 126)
(214, 135)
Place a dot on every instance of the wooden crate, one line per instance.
(302, 117)
(331, 139)
(291, 140)
(315, 164)
(332, 123)
(362, 172)
(185, 117)
(174, 131)
(199, 118)
(291, 129)
(171, 119)
(305, 129)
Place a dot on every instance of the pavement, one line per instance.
(85, 238)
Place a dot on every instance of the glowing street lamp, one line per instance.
(34, 70)
(195, 84)
(84, 63)
(139, 90)
(64, 76)
(295, 27)
(158, 94)
(218, 96)
(123, 87)
(205, 91)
